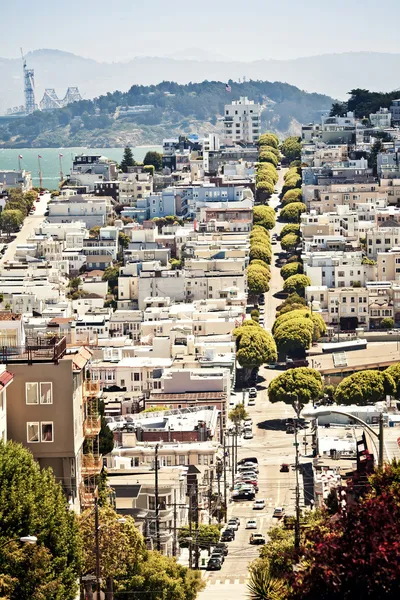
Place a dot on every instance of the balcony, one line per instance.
(91, 426)
(91, 389)
(36, 350)
(91, 464)
(87, 495)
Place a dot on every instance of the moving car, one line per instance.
(279, 512)
(257, 539)
(251, 524)
(242, 495)
(252, 402)
(214, 564)
(233, 524)
(252, 393)
(248, 435)
(284, 468)
(248, 421)
(259, 505)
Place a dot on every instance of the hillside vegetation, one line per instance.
(194, 107)
(363, 103)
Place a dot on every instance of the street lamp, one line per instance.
(26, 539)
(297, 409)
(379, 435)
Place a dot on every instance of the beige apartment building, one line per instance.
(383, 238)
(52, 409)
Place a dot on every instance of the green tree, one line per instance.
(205, 535)
(365, 387)
(123, 240)
(254, 346)
(289, 242)
(31, 502)
(294, 195)
(265, 187)
(291, 148)
(387, 323)
(294, 268)
(106, 436)
(111, 275)
(175, 264)
(296, 284)
(268, 157)
(292, 302)
(303, 384)
(294, 337)
(297, 313)
(264, 216)
(127, 160)
(74, 283)
(119, 543)
(94, 232)
(153, 158)
(268, 139)
(291, 213)
(394, 372)
(11, 220)
(159, 578)
(290, 228)
(266, 171)
(238, 414)
(260, 252)
(257, 279)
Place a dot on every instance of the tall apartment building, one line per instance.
(242, 120)
(52, 410)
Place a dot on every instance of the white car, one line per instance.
(259, 504)
(248, 421)
(252, 402)
(248, 435)
(251, 524)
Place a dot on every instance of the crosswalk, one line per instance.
(210, 580)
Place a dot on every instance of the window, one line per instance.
(206, 459)
(31, 393)
(32, 432)
(199, 459)
(46, 393)
(182, 460)
(152, 503)
(136, 377)
(47, 431)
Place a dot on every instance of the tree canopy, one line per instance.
(32, 503)
(10, 220)
(291, 212)
(302, 383)
(268, 139)
(293, 195)
(153, 158)
(296, 284)
(291, 148)
(289, 241)
(293, 268)
(264, 216)
(127, 160)
(254, 346)
(365, 387)
(394, 372)
(268, 156)
(238, 414)
(294, 337)
(257, 278)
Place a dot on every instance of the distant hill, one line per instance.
(175, 108)
(332, 74)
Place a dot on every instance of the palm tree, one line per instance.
(262, 586)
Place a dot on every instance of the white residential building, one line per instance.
(242, 120)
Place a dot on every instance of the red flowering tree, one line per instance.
(356, 554)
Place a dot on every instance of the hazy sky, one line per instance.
(235, 29)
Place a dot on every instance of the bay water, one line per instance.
(50, 161)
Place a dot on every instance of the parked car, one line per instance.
(252, 402)
(248, 421)
(221, 546)
(259, 505)
(218, 555)
(243, 495)
(257, 539)
(252, 393)
(214, 564)
(251, 524)
(279, 512)
(251, 459)
(251, 465)
(248, 435)
(253, 483)
(228, 535)
(284, 468)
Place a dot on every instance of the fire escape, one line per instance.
(91, 459)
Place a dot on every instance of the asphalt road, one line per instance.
(28, 228)
(272, 446)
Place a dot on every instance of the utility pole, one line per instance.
(225, 498)
(157, 501)
(190, 526)
(210, 499)
(236, 447)
(97, 543)
(196, 522)
(381, 442)
(297, 521)
(175, 519)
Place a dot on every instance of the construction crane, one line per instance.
(29, 87)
